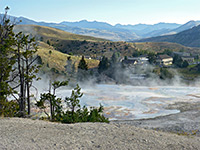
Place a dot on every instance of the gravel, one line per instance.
(18, 133)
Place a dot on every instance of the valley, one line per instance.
(100, 75)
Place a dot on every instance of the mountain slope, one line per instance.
(145, 30)
(102, 30)
(189, 38)
(69, 43)
(95, 29)
(76, 44)
(58, 60)
(157, 26)
(48, 32)
(87, 24)
(186, 26)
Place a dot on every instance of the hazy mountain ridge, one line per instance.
(145, 30)
(95, 29)
(117, 32)
(187, 26)
(190, 37)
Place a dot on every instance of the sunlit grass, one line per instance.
(58, 60)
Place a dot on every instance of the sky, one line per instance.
(110, 11)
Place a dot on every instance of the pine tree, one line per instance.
(26, 68)
(185, 64)
(17, 66)
(82, 74)
(82, 64)
(103, 65)
(7, 57)
(48, 42)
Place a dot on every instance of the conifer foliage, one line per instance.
(82, 64)
(82, 70)
(17, 69)
(72, 112)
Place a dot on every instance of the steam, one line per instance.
(140, 75)
(134, 93)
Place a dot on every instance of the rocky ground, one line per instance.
(16, 133)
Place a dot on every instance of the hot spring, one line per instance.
(124, 102)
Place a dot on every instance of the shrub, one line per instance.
(9, 109)
(73, 112)
(77, 114)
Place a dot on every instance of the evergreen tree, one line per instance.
(73, 69)
(185, 64)
(68, 65)
(73, 101)
(152, 57)
(177, 61)
(17, 66)
(82, 74)
(7, 58)
(82, 64)
(103, 65)
(54, 103)
(114, 58)
(48, 42)
(26, 68)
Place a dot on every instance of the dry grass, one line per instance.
(160, 46)
(58, 60)
(53, 33)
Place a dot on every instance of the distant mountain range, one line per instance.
(144, 30)
(95, 29)
(190, 37)
(117, 32)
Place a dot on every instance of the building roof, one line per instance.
(182, 53)
(164, 56)
(189, 57)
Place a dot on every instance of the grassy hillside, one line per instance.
(52, 33)
(58, 60)
(124, 48)
(89, 46)
(160, 46)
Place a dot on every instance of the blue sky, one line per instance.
(111, 11)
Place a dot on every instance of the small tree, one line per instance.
(68, 65)
(114, 58)
(54, 103)
(82, 64)
(185, 64)
(103, 65)
(7, 59)
(82, 70)
(73, 112)
(48, 42)
(152, 57)
(73, 101)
